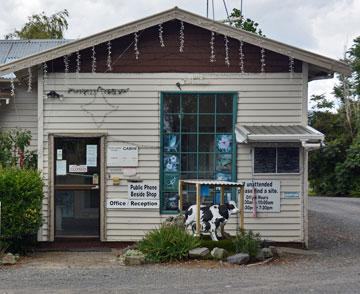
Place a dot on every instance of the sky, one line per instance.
(326, 27)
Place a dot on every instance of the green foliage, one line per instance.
(334, 169)
(228, 244)
(247, 242)
(167, 243)
(240, 22)
(21, 194)
(14, 149)
(41, 26)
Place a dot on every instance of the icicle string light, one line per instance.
(108, 59)
(66, 64)
(227, 59)
(136, 48)
(291, 66)
(12, 88)
(29, 89)
(242, 56)
(45, 70)
(93, 59)
(182, 37)
(212, 48)
(161, 35)
(262, 60)
(78, 64)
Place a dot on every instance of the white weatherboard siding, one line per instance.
(263, 99)
(21, 112)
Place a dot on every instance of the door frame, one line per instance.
(51, 179)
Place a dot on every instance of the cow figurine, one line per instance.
(211, 217)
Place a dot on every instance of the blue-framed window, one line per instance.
(197, 142)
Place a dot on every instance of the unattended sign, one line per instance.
(267, 195)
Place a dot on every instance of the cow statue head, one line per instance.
(231, 206)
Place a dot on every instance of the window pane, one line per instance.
(224, 103)
(206, 123)
(206, 162)
(224, 143)
(171, 201)
(265, 160)
(188, 162)
(223, 162)
(171, 182)
(288, 160)
(220, 176)
(224, 124)
(207, 103)
(171, 163)
(189, 103)
(171, 103)
(171, 123)
(171, 143)
(188, 143)
(206, 143)
(189, 123)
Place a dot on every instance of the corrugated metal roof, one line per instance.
(276, 133)
(11, 50)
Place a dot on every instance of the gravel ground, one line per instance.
(335, 268)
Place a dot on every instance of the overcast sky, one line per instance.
(323, 26)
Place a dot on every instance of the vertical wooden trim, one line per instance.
(51, 200)
(242, 207)
(305, 198)
(305, 77)
(180, 195)
(103, 220)
(222, 195)
(198, 202)
(40, 131)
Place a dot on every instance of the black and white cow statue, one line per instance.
(211, 217)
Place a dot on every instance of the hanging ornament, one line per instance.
(108, 59)
(136, 48)
(291, 66)
(12, 88)
(29, 89)
(212, 48)
(262, 60)
(45, 70)
(78, 64)
(93, 60)
(227, 59)
(181, 37)
(242, 56)
(161, 37)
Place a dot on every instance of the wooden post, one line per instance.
(222, 195)
(242, 208)
(180, 195)
(198, 200)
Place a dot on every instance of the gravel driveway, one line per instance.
(334, 236)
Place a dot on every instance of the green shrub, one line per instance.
(226, 244)
(21, 194)
(247, 242)
(167, 243)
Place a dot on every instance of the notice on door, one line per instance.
(267, 195)
(91, 155)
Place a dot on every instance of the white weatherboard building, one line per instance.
(119, 117)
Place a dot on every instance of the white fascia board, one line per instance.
(284, 138)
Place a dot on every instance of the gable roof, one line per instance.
(317, 62)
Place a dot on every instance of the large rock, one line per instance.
(134, 260)
(274, 251)
(8, 259)
(240, 258)
(198, 252)
(267, 253)
(218, 253)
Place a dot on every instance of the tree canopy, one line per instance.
(41, 26)
(335, 169)
(247, 24)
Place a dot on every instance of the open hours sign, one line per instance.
(267, 195)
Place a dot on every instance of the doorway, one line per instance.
(77, 169)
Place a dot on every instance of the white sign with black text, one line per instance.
(122, 156)
(148, 191)
(128, 203)
(267, 195)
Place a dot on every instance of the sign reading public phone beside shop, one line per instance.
(267, 194)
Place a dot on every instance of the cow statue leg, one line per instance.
(213, 232)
